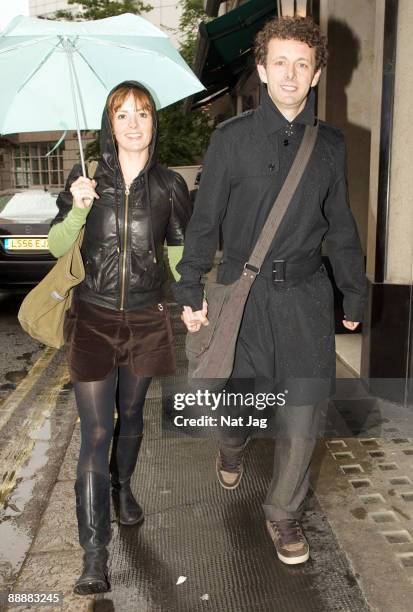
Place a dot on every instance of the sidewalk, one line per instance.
(358, 522)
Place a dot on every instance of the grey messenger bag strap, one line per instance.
(211, 350)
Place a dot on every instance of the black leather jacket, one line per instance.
(125, 231)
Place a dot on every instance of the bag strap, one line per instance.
(91, 167)
(283, 200)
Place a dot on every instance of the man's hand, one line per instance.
(351, 325)
(194, 320)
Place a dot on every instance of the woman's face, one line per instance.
(132, 127)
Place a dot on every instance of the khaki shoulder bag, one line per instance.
(42, 312)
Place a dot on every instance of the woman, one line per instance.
(117, 332)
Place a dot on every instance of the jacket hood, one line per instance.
(108, 149)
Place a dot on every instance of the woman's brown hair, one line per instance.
(117, 98)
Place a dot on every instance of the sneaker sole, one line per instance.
(293, 560)
(288, 560)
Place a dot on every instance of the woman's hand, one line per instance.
(83, 192)
(195, 319)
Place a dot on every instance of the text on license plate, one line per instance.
(31, 244)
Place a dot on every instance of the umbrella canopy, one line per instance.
(56, 75)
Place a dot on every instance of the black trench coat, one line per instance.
(287, 332)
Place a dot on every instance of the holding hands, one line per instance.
(83, 192)
(195, 319)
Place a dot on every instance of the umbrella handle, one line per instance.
(67, 47)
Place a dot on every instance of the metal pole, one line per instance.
(66, 46)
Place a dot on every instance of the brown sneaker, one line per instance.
(229, 469)
(289, 540)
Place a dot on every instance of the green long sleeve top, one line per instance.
(63, 235)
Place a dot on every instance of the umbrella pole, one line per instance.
(68, 50)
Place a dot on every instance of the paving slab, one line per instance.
(365, 488)
(69, 464)
(51, 572)
(58, 527)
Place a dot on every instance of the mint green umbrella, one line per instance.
(56, 75)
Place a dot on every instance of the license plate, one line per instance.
(26, 244)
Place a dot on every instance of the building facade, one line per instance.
(45, 8)
(164, 14)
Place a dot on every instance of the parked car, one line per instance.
(24, 225)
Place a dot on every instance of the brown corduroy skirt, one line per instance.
(98, 339)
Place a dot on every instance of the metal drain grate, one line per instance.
(373, 498)
(397, 537)
(385, 516)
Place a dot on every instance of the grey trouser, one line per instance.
(296, 434)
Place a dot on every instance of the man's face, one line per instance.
(289, 74)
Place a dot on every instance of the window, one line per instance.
(32, 168)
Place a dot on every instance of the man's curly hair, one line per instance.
(292, 28)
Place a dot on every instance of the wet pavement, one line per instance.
(35, 428)
(36, 431)
(200, 547)
(18, 352)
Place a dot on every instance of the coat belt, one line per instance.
(279, 270)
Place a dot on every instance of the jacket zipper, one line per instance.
(125, 238)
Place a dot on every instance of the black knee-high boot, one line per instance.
(125, 450)
(93, 519)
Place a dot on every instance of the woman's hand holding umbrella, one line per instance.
(83, 192)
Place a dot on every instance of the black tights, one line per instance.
(95, 403)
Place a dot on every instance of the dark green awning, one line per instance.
(224, 46)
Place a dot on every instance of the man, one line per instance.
(287, 332)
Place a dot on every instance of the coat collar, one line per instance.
(273, 120)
